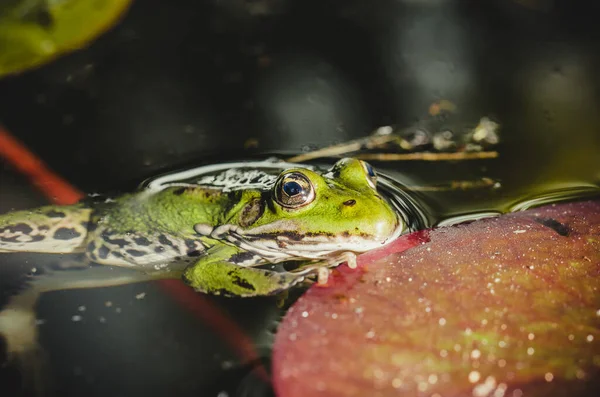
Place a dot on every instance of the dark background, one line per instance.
(188, 82)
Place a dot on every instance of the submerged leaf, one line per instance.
(506, 306)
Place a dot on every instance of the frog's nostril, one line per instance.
(350, 203)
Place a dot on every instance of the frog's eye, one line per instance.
(371, 175)
(294, 190)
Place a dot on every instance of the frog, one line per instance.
(220, 238)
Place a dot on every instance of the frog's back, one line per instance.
(161, 222)
(147, 229)
(49, 229)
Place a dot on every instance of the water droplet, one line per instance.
(304, 314)
(442, 321)
(76, 318)
(484, 389)
(530, 351)
(475, 354)
(549, 376)
(500, 390)
(590, 338)
(474, 376)
(517, 393)
(531, 336)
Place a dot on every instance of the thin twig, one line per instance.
(428, 156)
(344, 148)
(483, 183)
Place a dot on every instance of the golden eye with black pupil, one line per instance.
(371, 175)
(294, 190)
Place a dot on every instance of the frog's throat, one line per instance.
(286, 246)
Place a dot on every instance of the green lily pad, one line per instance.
(33, 33)
(506, 306)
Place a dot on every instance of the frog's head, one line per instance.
(310, 215)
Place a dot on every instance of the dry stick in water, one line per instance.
(344, 148)
(428, 156)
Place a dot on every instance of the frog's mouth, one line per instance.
(289, 244)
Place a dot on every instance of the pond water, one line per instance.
(191, 83)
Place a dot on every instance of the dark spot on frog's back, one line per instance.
(162, 239)
(349, 203)
(241, 257)
(179, 191)
(21, 228)
(143, 241)
(192, 248)
(135, 253)
(555, 225)
(66, 233)
(55, 214)
(239, 281)
(251, 212)
(89, 226)
(119, 242)
(103, 252)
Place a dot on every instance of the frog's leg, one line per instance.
(18, 325)
(50, 229)
(225, 270)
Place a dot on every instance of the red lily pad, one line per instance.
(507, 306)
